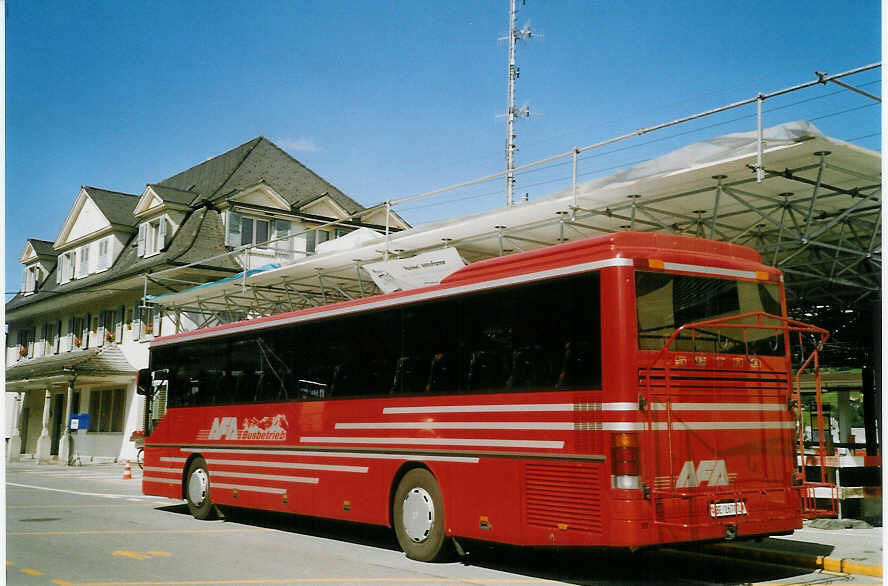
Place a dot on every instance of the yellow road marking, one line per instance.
(137, 555)
(9, 563)
(32, 572)
(131, 554)
(61, 582)
(133, 532)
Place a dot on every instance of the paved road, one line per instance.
(86, 525)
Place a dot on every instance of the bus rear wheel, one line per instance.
(197, 490)
(418, 517)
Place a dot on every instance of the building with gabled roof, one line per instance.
(77, 329)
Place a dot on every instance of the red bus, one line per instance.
(626, 390)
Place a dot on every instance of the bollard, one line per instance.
(127, 471)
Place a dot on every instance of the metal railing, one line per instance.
(647, 400)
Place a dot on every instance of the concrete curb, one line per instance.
(801, 560)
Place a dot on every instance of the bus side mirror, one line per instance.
(144, 385)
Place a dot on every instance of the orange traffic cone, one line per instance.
(127, 471)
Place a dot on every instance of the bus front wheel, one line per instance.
(197, 490)
(418, 517)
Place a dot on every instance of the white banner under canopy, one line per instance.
(427, 268)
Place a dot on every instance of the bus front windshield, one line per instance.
(665, 302)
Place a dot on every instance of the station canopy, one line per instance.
(815, 214)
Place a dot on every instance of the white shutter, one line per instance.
(25, 281)
(84, 261)
(281, 229)
(137, 321)
(87, 323)
(103, 255)
(143, 228)
(233, 232)
(118, 326)
(42, 340)
(162, 236)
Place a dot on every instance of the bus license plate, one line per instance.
(731, 509)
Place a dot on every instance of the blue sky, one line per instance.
(388, 99)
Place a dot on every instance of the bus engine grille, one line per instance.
(563, 496)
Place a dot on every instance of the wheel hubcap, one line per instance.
(197, 487)
(419, 514)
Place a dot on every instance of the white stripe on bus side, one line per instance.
(163, 479)
(506, 425)
(722, 407)
(248, 488)
(526, 408)
(496, 443)
(675, 266)
(160, 469)
(698, 425)
(288, 465)
(276, 477)
(314, 454)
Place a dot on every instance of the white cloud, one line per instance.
(301, 144)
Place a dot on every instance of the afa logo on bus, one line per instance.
(273, 428)
(712, 472)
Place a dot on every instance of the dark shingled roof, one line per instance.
(172, 194)
(253, 162)
(200, 237)
(116, 206)
(94, 361)
(202, 234)
(43, 247)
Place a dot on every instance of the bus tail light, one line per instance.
(625, 461)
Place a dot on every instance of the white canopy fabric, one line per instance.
(816, 215)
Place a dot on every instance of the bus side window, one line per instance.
(441, 374)
(529, 368)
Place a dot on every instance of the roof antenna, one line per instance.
(514, 72)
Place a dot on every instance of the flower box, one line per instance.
(23, 351)
(109, 336)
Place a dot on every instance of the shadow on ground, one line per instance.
(573, 566)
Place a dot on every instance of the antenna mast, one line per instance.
(511, 112)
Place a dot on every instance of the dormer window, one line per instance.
(152, 236)
(254, 231)
(31, 279)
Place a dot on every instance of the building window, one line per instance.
(65, 270)
(50, 341)
(26, 344)
(254, 231)
(152, 237)
(106, 410)
(31, 279)
(77, 341)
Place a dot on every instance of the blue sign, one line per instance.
(80, 421)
